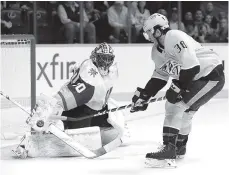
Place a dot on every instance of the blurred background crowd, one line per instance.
(111, 21)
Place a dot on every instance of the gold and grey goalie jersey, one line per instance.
(87, 86)
(182, 52)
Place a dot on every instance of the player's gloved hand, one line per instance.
(41, 116)
(138, 100)
(173, 94)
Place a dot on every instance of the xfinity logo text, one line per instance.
(56, 66)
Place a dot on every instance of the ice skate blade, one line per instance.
(155, 163)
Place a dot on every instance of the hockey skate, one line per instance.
(164, 158)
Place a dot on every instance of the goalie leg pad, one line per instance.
(108, 134)
(48, 145)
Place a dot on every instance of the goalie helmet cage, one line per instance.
(18, 79)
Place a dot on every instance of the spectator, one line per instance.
(198, 22)
(190, 28)
(68, 12)
(118, 20)
(174, 21)
(163, 12)
(222, 15)
(199, 17)
(210, 11)
(102, 6)
(92, 14)
(223, 30)
(203, 36)
(6, 24)
(188, 18)
(141, 15)
(103, 29)
(208, 23)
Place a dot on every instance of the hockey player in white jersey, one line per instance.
(87, 92)
(197, 75)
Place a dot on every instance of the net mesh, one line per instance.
(16, 83)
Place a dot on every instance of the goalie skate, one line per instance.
(20, 152)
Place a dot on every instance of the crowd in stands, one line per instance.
(110, 21)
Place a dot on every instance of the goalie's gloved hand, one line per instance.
(174, 93)
(140, 97)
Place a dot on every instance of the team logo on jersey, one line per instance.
(171, 68)
(93, 72)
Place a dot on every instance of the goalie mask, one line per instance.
(103, 57)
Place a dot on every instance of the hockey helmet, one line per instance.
(154, 22)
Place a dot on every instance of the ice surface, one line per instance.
(207, 151)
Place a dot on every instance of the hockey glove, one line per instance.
(173, 94)
(140, 97)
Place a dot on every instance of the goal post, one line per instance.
(9, 41)
(18, 80)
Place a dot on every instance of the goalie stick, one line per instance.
(54, 117)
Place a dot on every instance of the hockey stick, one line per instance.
(14, 102)
(54, 117)
(107, 111)
(64, 118)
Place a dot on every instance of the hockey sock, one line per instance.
(182, 140)
(170, 135)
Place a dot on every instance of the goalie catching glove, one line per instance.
(45, 108)
(139, 100)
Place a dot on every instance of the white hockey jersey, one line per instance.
(182, 52)
(87, 87)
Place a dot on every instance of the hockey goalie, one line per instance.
(87, 92)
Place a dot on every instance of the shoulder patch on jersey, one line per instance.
(89, 73)
(171, 67)
(93, 72)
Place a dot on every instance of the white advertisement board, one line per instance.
(134, 63)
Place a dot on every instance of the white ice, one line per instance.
(207, 150)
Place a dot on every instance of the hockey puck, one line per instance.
(40, 123)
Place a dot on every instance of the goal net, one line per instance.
(18, 77)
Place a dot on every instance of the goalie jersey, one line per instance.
(87, 87)
(182, 52)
